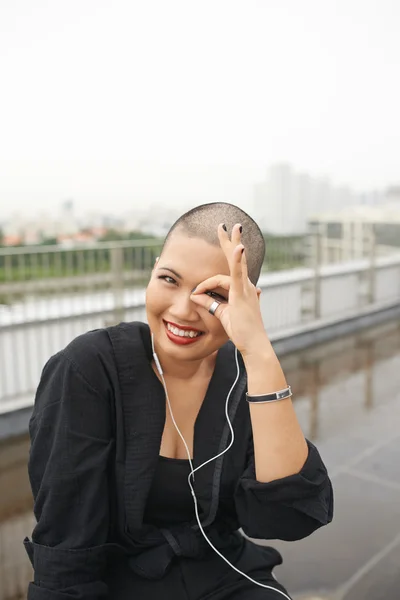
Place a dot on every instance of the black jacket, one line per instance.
(95, 433)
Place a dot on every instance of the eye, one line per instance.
(167, 279)
(217, 296)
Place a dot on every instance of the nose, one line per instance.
(183, 309)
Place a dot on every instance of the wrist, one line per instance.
(260, 351)
(264, 371)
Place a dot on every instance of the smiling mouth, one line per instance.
(184, 333)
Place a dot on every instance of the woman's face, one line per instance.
(182, 329)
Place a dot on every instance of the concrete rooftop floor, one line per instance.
(357, 556)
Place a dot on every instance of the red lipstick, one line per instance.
(180, 340)
(183, 327)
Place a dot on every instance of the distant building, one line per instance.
(349, 233)
(284, 202)
(393, 194)
(67, 207)
(12, 240)
(82, 237)
(272, 199)
(67, 223)
(158, 220)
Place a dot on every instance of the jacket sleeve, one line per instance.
(290, 508)
(71, 439)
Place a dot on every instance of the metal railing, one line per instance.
(49, 295)
(47, 270)
(45, 274)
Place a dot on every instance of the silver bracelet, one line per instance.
(274, 397)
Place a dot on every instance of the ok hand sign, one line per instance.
(240, 316)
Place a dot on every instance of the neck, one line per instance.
(185, 370)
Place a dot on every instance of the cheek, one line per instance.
(155, 298)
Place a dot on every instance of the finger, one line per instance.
(206, 303)
(237, 239)
(237, 270)
(224, 240)
(222, 281)
(245, 272)
(236, 236)
(228, 245)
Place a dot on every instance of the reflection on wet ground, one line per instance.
(347, 402)
(16, 519)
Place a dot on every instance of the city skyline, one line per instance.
(114, 103)
(284, 202)
(172, 186)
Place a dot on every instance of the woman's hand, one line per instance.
(241, 315)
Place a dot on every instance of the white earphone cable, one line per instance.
(191, 474)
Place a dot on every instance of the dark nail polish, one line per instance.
(240, 229)
(193, 289)
(224, 227)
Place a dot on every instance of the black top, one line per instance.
(170, 500)
(96, 431)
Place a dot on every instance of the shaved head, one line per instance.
(202, 222)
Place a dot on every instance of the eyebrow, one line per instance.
(172, 271)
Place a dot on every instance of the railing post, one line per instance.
(369, 374)
(117, 282)
(372, 265)
(311, 289)
(317, 256)
(315, 380)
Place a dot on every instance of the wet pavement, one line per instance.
(351, 410)
(348, 402)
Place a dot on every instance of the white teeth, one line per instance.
(182, 332)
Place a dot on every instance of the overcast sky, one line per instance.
(120, 103)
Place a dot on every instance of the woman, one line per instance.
(109, 469)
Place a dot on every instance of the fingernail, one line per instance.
(240, 229)
(194, 289)
(224, 227)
